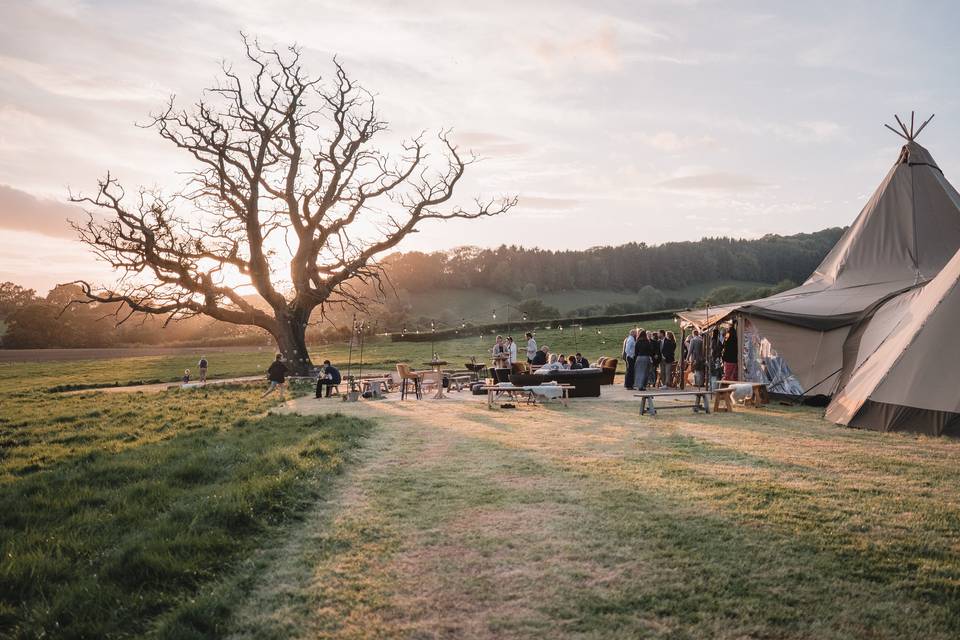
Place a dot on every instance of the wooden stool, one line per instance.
(723, 400)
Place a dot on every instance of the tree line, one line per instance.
(529, 272)
(30, 320)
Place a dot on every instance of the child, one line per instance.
(186, 376)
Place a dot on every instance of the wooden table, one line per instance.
(528, 393)
(701, 400)
(760, 395)
(437, 366)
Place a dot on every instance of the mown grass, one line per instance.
(130, 515)
(589, 523)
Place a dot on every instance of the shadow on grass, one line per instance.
(635, 547)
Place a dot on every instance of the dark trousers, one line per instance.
(644, 365)
(631, 372)
(329, 384)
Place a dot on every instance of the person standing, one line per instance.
(629, 356)
(668, 355)
(531, 347)
(202, 365)
(655, 357)
(511, 351)
(730, 348)
(643, 360)
(329, 378)
(695, 356)
(276, 376)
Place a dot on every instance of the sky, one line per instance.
(612, 121)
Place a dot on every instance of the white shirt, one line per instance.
(531, 348)
(513, 352)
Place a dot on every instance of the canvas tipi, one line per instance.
(908, 230)
(904, 356)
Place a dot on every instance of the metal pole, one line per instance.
(360, 368)
(353, 330)
(683, 360)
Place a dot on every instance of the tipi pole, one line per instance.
(924, 124)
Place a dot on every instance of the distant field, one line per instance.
(477, 305)
(695, 291)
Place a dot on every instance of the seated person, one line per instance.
(553, 365)
(583, 362)
(329, 377)
(540, 358)
(573, 363)
(562, 361)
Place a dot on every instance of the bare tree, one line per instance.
(278, 154)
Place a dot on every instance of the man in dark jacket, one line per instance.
(277, 376)
(583, 362)
(540, 358)
(329, 378)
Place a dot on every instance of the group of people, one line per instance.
(504, 354)
(651, 357)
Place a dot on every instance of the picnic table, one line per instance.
(527, 392)
(701, 400)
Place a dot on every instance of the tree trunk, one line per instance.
(290, 334)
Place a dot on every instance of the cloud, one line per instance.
(674, 143)
(811, 131)
(716, 181)
(21, 211)
(596, 51)
(85, 83)
(537, 202)
(490, 144)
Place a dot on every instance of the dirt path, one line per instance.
(461, 522)
(163, 386)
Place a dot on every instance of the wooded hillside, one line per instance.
(526, 273)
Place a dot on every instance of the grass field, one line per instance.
(129, 514)
(462, 303)
(589, 523)
(193, 514)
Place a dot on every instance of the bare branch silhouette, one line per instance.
(277, 151)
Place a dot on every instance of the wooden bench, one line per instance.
(701, 400)
(458, 381)
(760, 395)
(723, 400)
(526, 392)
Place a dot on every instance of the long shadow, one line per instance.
(684, 567)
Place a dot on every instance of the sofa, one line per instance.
(586, 382)
(609, 368)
